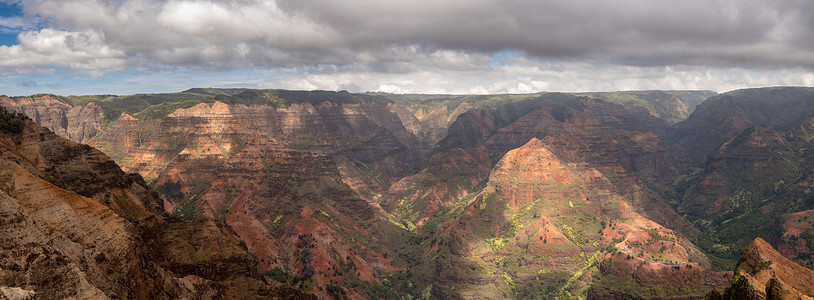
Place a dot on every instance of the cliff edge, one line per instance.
(764, 273)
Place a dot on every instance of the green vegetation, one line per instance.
(742, 137)
(162, 110)
(11, 122)
(671, 106)
(304, 282)
(188, 210)
(133, 104)
(172, 190)
(217, 91)
(285, 98)
(278, 274)
(546, 285)
(655, 236)
(476, 238)
(748, 183)
(336, 291)
(372, 290)
(158, 106)
(610, 283)
(808, 235)
(429, 103)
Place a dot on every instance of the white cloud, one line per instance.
(427, 45)
(83, 52)
(14, 23)
(532, 76)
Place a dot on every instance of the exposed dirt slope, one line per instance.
(74, 225)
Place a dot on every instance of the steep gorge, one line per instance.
(376, 195)
(74, 225)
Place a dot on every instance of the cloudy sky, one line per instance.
(418, 46)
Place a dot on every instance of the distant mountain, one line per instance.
(747, 160)
(638, 194)
(672, 106)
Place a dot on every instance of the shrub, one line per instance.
(278, 274)
(336, 291)
(11, 122)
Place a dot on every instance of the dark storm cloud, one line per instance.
(292, 33)
(639, 32)
(451, 41)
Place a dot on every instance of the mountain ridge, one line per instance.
(379, 195)
(77, 226)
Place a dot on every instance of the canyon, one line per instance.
(243, 193)
(74, 225)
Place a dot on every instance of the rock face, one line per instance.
(539, 212)
(75, 226)
(501, 196)
(797, 239)
(671, 106)
(648, 273)
(763, 273)
(80, 123)
(120, 138)
(281, 178)
(726, 115)
(367, 133)
(610, 138)
(750, 172)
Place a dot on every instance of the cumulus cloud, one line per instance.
(385, 44)
(84, 52)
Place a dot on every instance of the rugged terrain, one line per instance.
(764, 273)
(74, 225)
(599, 195)
(749, 172)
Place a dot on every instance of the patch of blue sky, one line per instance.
(500, 58)
(129, 82)
(7, 39)
(11, 22)
(10, 9)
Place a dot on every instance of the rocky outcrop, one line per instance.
(752, 156)
(121, 137)
(450, 175)
(470, 129)
(277, 177)
(75, 226)
(671, 106)
(797, 238)
(623, 146)
(408, 120)
(763, 273)
(543, 211)
(519, 195)
(367, 133)
(80, 169)
(724, 116)
(649, 273)
(79, 123)
(433, 123)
